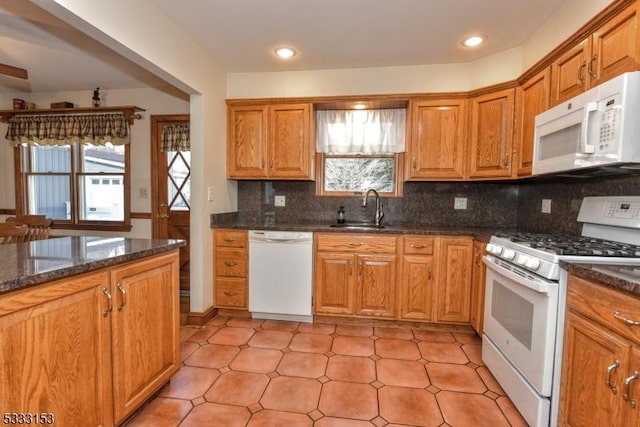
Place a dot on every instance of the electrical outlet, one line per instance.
(546, 206)
(460, 203)
(210, 194)
(143, 192)
(279, 200)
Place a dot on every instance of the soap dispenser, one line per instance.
(340, 217)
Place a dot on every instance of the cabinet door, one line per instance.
(569, 75)
(615, 47)
(56, 352)
(454, 280)
(376, 286)
(593, 358)
(436, 147)
(417, 292)
(146, 329)
(290, 150)
(247, 141)
(477, 287)
(491, 134)
(532, 98)
(334, 278)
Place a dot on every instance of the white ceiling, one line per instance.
(241, 36)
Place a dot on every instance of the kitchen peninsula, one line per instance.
(89, 326)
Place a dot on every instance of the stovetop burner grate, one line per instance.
(573, 245)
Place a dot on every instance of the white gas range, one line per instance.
(526, 293)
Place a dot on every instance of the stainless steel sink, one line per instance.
(357, 226)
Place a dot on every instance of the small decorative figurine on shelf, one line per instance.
(96, 97)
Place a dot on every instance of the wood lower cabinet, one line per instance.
(92, 348)
(355, 274)
(491, 134)
(145, 330)
(418, 285)
(437, 140)
(478, 277)
(270, 141)
(601, 357)
(454, 280)
(231, 268)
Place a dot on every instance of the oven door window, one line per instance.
(513, 312)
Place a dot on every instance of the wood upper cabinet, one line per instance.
(270, 141)
(146, 330)
(601, 357)
(355, 274)
(532, 98)
(491, 134)
(478, 277)
(454, 280)
(610, 51)
(437, 139)
(56, 355)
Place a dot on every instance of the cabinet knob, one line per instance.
(581, 77)
(625, 320)
(591, 69)
(230, 294)
(354, 244)
(230, 263)
(123, 294)
(107, 295)
(229, 239)
(418, 246)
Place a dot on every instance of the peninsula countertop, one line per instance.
(32, 263)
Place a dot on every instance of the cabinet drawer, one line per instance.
(231, 293)
(231, 262)
(599, 303)
(231, 238)
(356, 243)
(418, 245)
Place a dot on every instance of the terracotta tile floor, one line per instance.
(243, 372)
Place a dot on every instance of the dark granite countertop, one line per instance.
(229, 221)
(623, 277)
(32, 263)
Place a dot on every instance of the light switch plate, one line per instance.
(279, 200)
(460, 203)
(546, 206)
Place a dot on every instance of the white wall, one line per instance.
(139, 31)
(498, 68)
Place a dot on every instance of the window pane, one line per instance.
(50, 195)
(56, 158)
(102, 158)
(358, 174)
(179, 180)
(103, 201)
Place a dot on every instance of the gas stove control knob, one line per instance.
(495, 249)
(509, 254)
(522, 260)
(533, 263)
(490, 247)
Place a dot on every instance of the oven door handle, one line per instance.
(539, 285)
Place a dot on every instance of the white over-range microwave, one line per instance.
(600, 127)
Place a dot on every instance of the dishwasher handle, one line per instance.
(280, 236)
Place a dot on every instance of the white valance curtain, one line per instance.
(63, 129)
(361, 131)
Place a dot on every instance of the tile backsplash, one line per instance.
(489, 204)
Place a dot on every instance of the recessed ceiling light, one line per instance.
(474, 41)
(359, 106)
(285, 52)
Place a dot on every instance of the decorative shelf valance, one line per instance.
(130, 112)
(73, 125)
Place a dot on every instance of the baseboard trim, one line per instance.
(201, 319)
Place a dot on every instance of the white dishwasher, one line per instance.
(281, 275)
